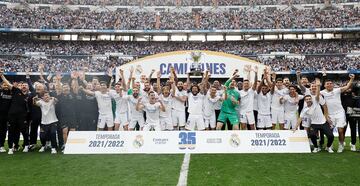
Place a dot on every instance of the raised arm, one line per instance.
(58, 87)
(123, 82)
(74, 82)
(28, 80)
(158, 76)
(130, 80)
(5, 80)
(259, 87)
(317, 83)
(256, 70)
(151, 74)
(86, 91)
(298, 80)
(349, 84)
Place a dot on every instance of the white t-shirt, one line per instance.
(167, 101)
(210, 104)
(178, 105)
(132, 105)
(195, 104)
(333, 100)
(48, 114)
(264, 103)
(152, 112)
(121, 102)
(104, 103)
(314, 112)
(219, 103)
(290, 105)
(247, 100)
(275, 100)
(255, 101)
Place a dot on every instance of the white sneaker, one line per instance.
(340, 149)
(330, 150)
(316, 150)
(11, 151)
(53, 151)
(42, 149)
(26, 149)
(2, 149)
(353, 148)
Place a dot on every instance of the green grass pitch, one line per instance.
(35, 168)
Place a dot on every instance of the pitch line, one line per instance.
(184, 171)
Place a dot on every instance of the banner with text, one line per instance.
(219, 64)
(177, 142)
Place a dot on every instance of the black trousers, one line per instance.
(325, 128)
(228, 124)
(60, 138)
(354, 122)
(48, 132)
(18, 124)
(34, 126)
(88, 123)
(3, 128)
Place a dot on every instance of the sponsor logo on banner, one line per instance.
(160, 141)
(187, 140)
(139, 141)
(234, 140)
(214, 140)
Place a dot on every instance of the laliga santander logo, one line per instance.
(139, 141)
(234, 140)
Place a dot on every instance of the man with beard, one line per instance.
(137, 117)
(337, 116)
(247, 95)
(35, 111)
(178, 107)
(263, 97)
(228, 109)
(89, 114)
(66, 110)
(5, 102)
(18, 114)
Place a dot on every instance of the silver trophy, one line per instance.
(195, 68)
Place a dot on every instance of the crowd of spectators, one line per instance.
(149, 48)
(309, 63)
(57, 64)
(177, 2)
(130, 20)
(314, 63)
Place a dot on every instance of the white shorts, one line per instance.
(121, 118)
(210, 121)
(195, 121)
(264, 121)
(277, 116)
(178, 118)
(247, 117)
(133, 122)
(149, 126)
(107, 120)
(290, 120)
(338, 119)
(166, 123)
(305, 122)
